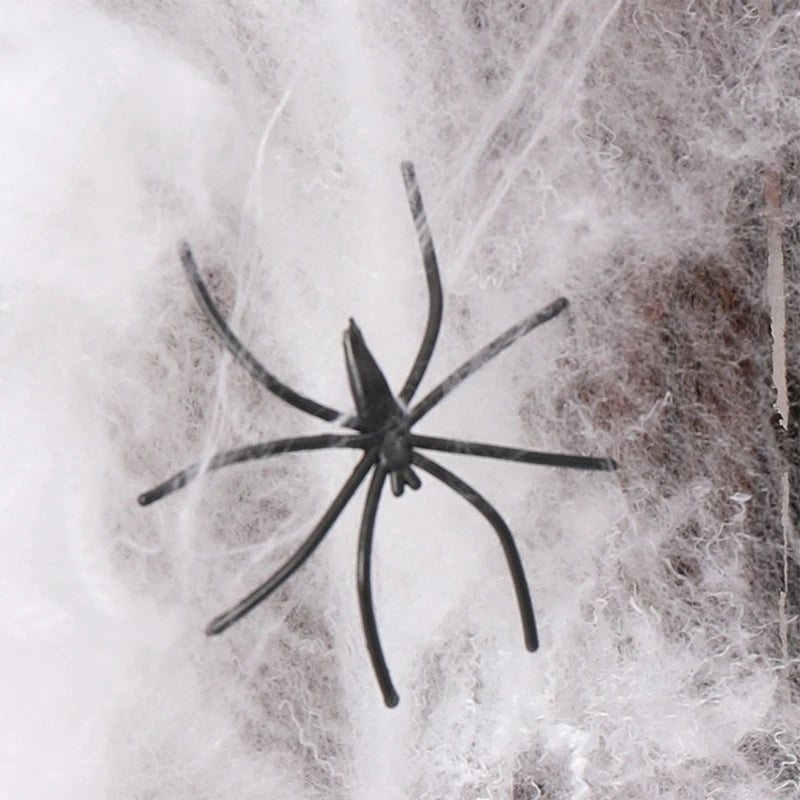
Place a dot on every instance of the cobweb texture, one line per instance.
(639, 157)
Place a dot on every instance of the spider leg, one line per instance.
(246, 359)
(482, 356)
(247, 604)
(250, 453)
(431, 276)
(504, 534)
(511, 453)
(368, 622)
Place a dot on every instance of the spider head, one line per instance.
(396, 457)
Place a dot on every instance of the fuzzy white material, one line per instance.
(613, 152)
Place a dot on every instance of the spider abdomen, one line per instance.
(375, 404)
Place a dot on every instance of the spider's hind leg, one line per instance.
(245, 358)
(432, 278)
(250, 453)
(483, 356)
(514, 454)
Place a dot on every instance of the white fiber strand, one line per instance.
(639, 157)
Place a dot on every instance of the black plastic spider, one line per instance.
(383, 425)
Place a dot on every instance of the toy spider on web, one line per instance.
(382, 430)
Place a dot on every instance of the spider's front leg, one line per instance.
(390, 696)
(261, 593)
(503, 533)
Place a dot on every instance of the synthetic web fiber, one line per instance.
(639, 157)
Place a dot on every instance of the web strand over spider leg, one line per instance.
(484, 355)
(246, 359)
(503, 533)
(514, 454)
(390, 696)
(433, 280)
(261, 593)
(252, 452)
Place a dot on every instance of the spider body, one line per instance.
(379, 410)
(381, 428)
